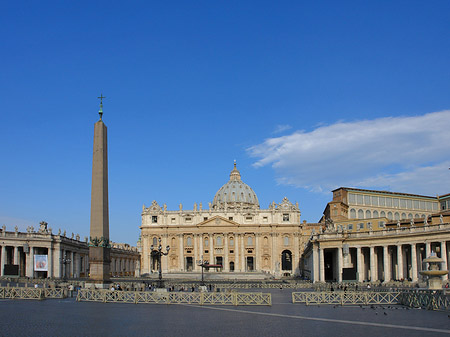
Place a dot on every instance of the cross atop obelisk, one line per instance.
(100, 111)
(99, 246)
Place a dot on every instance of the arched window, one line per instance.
(286, 240)
(266, 241)
(360, 214)
(173, 242)
(417, 216)
(155, 241)
(368, 214)
(410, 216)
(375, 214)
(352, 213)
(389, 215)
(189, 241)
(250, 241)
(232, 242)
(382, 214)
(206, 242)
(403, 215)
(397, 216)
(219, 241)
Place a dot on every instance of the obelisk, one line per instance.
(99, 246)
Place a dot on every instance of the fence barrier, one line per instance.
(427, 299)
(346, 297)
(200, 298)
(31, 293)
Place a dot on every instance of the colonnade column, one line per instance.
(200, 237)
(340, 264)
(226, 252)
(30, 263)
(164, 259)
(195, 267)
(146, 260)
(314, 264)
(295, 265)
(3, 260)
(321, 265)
(413, 262)
(386, 269)
(444, 257)
(50, 262)
(72, 264)
(359, 270)
(16, 255)
(372, 264)
(427, 249)
(399, 262)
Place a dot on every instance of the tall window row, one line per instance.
(378, 201)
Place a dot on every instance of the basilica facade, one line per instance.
(233, 234)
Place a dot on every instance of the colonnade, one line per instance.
(122, 266)
(399, 261)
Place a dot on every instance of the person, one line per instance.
(112, 288)
(71, 290)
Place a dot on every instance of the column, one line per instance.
(257, 254)
(315, 264)
(146, 251)
(399, 262)
(372, 264)
(50, 262)
(201, 247)
(414, 262)
(236, 252)
(181, 253)
(444, 257)
(16, 255)
(195, 237)
(274, 252)
(165, 258)
(427, 249)
(242, 253)
(211, 249)
(321, 265)
(57, 263)
(295, 264)
(226, 253)
(359, 271)
(3, 261)
(386, 269)
(340, 264)
(72, 264)
(30, 263)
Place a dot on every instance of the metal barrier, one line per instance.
(304, 285)
(427, 299)
(346, 298)
(21, 293)
(200, 298)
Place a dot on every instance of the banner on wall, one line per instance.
(41, 263)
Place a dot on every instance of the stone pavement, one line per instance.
(69, 318)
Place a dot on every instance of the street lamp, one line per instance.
(65, 261)
(202, 263)
(158, 252)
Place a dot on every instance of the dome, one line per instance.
(235, 193)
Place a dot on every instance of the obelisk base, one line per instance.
(99, 265)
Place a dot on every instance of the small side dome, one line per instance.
(235, 193)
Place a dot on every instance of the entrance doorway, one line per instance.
(231, 266)
(286, 260)
(189, 263)
(250, 263)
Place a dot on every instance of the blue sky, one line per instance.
(306, 96)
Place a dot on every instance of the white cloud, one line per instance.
(404, 154)
(281, 128)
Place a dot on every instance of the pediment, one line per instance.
(218, 221)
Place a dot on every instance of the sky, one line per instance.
(306, 96)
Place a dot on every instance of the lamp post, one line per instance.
(159, 253)
(65, 261)
(202, 263)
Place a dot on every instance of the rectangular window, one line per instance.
(403, 203)
(154, 218)
(429, 206)
(416, 204)
(350, 227)
(248, 218)
(205, 218)
(265, 219)
(206, 251)
(422, 205)
(230, 218)
(351, 198)
(367, 200)
(361, 225)
(409, 203)
(285, 217)
(395, 202)
(231, 251)
(173, 220)
(374, 201)
(381, 224)
(388, 202)
(360, 199)
(382, 201)
(188, 219)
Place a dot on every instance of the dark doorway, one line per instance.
(329, 269)
(155, 261)
(189, 263)
(286, 260)
(250, 263)
(231, 266)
